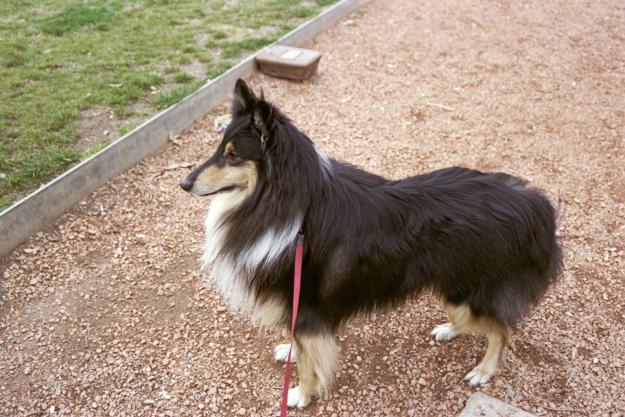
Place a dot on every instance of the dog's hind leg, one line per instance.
(317, 361)
(488, 366)
(462, 320)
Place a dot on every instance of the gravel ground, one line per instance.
(106, 313)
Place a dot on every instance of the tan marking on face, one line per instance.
(229, 150)
(213, 178)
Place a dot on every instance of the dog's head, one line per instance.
(234, 167)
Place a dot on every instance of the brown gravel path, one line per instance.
(105, 314)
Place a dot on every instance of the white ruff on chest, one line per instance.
(232, 276)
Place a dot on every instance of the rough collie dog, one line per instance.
(484, 243)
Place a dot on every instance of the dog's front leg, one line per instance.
(281, 353)
(316, 363)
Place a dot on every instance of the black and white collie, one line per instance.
(484, 243)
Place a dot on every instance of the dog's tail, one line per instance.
(560, 215)
(556, 261)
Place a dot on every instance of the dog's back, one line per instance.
(488, 240)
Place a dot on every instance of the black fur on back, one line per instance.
(484, 239)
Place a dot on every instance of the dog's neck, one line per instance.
(257, 226)
(258, 252)
(215, 227)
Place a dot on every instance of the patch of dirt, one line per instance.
(99, 124)
(196, 69)
(107, 313)
(141, 111)
(238, 33)
(201, 39)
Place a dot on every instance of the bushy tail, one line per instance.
(555, 261)
(560, 214)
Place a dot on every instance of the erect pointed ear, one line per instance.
(243, 99)
(263, 119)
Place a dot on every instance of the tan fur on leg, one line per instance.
(463, 321)
(487, 368)
(316, 362)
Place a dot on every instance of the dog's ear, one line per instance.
(243, 99)
(263, 118)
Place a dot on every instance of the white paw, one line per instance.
(296, 399)
(478, 376)
(444, 332)
(281, 353)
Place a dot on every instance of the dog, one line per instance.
(484, 244)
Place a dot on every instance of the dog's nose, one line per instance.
(186, 184)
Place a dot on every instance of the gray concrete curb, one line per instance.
(41, 208)
(483, 405)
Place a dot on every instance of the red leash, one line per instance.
(297, 281)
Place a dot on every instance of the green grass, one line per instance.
(75, 17)
(123, 129)
(60, 57)
(174, 95)
(97, 148)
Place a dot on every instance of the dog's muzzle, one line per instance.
(186, 184)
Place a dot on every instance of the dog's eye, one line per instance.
(232, 158)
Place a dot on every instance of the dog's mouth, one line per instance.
(203, 193)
